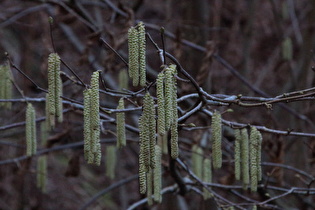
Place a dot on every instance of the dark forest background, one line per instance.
(232, 48)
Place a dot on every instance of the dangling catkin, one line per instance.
(149, 116)
(30, 129)
(259, 156)
(144, 143)
(141, 42)
(161, 103)
(142, 158)
(237, 154)
(157, 175)
(94, 113)
(54, 87)
(169, 88)
(133, 51)
(216, 140)
(174, 122)
(197, 160)
(120, 119)
(110, 161)
(245, 157)
(254, 146)
(87, 125)
(207, 177)
(92, 147)
(6, 85)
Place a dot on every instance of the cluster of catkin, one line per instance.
(167, 106)
(150, 152)
(202, 168)
(53, 98)
(248, 157)
(5, 85)
(92, 146)
(136, 47)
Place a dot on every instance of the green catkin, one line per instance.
(110, 161)
(94, 111)
(174, 125)
(133, 50)
(259, 157)
(197, 160)
(169, 88)
(30, 129)
(161, 103)
(142, 167)
(144, 143)
(87, 125)
(237, 154)
(142, 60)
(92, 147)
(54, 87)
(123, 79)
(157, 175)
(120, 119)
(42, 173)
(149, 187)
(245, 157)
(253, 161)
(5, 85)
(216, 140)
(149, 116)
(207, 177)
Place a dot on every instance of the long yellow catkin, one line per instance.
(30, 129)
(161, 103)
(174, 122)
(216, 140)
(237, 154)
(169, 96)
(142, 60)
(87, 126)
(142, 166)
(157, 175)
(92, 146)
(207, 177)
(259, 156)
(245, 157)
(253, 162)
(54, 88)
(120, 119)
(149, 116)
(144, 142)
(110, 161)
(5, 85)
(133, 51)
(197, 160)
